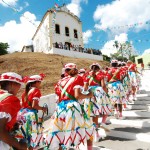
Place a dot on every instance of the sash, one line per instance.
(114, 76)
(4, 95)
(93, 79)
(65, 88)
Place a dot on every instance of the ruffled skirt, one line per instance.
(99, 104)
(133, 79)
(116, 92)
(70, 126)
(30, 131)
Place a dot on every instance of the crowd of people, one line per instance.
(83, 95)
(77, 48)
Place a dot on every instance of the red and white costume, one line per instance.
(69, 125)
(28, 116)
(100, 103)
(115, 88)
(9, 105)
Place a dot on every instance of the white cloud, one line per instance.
(19, 34)
(123, 37)
(86, 36)
(75, 7)
(13, 5)
(109, 49)
(121, 13)
(147, 51)
(10, 2)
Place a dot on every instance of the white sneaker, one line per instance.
(104, 126)
(134, 98)
(130, 101)
(108, 122)
(121, 118)
(97, 137)
(116, 115)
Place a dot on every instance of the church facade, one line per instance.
(65, 33)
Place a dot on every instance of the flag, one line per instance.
(56, 5)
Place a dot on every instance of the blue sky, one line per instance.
(103, 22)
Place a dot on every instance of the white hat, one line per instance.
(95, 64)
(11, 76)
(34, 78)
(114, 61)
(82, 70)
(70, 66)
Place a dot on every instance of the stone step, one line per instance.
(128, 135)
(143, 98)
(136, 114)
(138, 107)
(140, 102)
(142, 95)
(131, 123)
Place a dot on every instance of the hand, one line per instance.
(44, 109)
(90, 94)
(30, 148)
(23, 146)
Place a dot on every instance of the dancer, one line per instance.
(100, 103)
(134, 78)
(70, 126)
(115, 88)
(10, 83)
(32, 129)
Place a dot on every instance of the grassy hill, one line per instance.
(27, 64)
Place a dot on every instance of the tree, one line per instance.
(3, 48)
(124, 49)
(106, 58)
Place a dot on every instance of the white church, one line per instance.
(60, 32)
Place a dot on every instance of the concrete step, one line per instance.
(138, 102)
(142, 95)
(138, 107)
(129, 134)
(136, 114)
(131, 123)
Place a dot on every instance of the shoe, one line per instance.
(104, 126)
(116, 115)
(130, 101)
(97, 137)
(134, 98)
(121, 118)
(108, 122)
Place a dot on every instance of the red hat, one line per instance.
(70, 66)
(95, 64)
(11, 76)
(34, 78)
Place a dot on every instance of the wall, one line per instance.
(66, 20)
(75, 54)
(41, 41)
(50, 100)
(146, 60)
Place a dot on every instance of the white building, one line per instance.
(67, 30)
(60, 32)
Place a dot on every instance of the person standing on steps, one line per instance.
(99, 104)
(28, 114)
(70, 126)
(115, 88)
